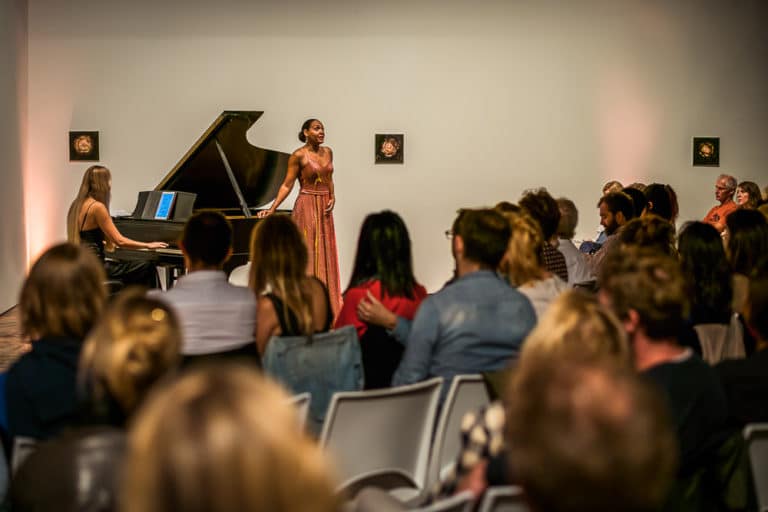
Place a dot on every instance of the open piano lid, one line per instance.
(256, 172)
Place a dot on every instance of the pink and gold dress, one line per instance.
(317, 226)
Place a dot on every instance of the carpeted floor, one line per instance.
(11, 345)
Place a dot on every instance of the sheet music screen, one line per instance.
(165, 205)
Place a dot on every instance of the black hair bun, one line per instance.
(302, 137)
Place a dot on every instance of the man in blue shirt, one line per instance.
(478, 322)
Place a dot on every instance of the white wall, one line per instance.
(13, 90)
(494, 97)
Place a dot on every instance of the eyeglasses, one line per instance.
(448, 234)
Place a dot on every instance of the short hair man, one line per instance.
(589, 438)
(647, 292)
(216, 317)
(540, 205)
(616, 209)
(578, 270)
(478, 322)
(725, 186)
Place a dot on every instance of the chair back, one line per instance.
(467, 393)
(320, 365)
(388, 429)
(239, 275)
(721, 341)
(461, 502)
(23, 447)
(756, 435)
(301, 402)
(505, 498)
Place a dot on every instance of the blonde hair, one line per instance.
(135, 344)
(576, 325)
(522, 261)
(63, 294)
(279, 266)
(95, 185)
(221, 439)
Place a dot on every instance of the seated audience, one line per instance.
(616, 209)
(746, 380)
(60, 300)
(383, 269)
(639, 201)
(578, 270)
(748, 195)
(223, 439)
(611, 186)
(650, 232)
(90, 224)
(523, 265)
(543, 208)
(289, 303)
(217, 319)
(725, 186)
(587, 437)
(658, 202)
(134, 345)
(647, 291)
(476, 324)
(746, 242)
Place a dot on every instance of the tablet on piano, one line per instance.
(165, 205)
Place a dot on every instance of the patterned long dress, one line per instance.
(317, 226)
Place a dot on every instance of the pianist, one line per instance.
(89, 224)
(217, 319)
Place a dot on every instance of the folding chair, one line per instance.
(301, 402)
(506, 498)
(756, 435)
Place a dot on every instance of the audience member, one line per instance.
(217, 319)
(133, 346)
(611, 186)
(478, 323)
(384, 270)
(639, 201)
(746, 243)
(658, 202)
(523, 265)
(60, 300)
(616, 209)
(578, 270)
(673, 202)
(544, 210)
(223, 439)
(647, 291)
(586, 437)
(637, 185)
(89, 223)
(290, 303)
(748, 195)
(650, 232)
(725, 186)
(746, 380)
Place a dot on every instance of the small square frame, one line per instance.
(706, 151)
(389, 148)
(83, 146)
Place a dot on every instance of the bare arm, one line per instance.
(267, 323)
(114, 236)
(290, 178)
(332, 199)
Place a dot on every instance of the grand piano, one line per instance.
(222, 171)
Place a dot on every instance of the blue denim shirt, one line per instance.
(476, 324)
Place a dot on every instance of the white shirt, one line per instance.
(543, 293)
(578, 269)
(215, 316)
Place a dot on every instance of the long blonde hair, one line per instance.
(135, 343)
(279, 266)
(523, 260)
(221, 439)
(95, 185)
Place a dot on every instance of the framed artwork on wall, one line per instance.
(83, 146)
(388, 148)
(706, 151)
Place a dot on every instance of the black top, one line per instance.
(698, 408)
(289, 324)
(92, 238)
(40, 392)
(746, 387)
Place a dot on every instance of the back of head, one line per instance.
(639, 200)
(96, 184)
(658, 201)
(618, 202)
(485, 233)
(523, 261)
(207, 238)
(63, 294)
(705, 267)
(133, 346)
(577, 326)
(612, 186)
(757, 306)
(278, 253)
(569, 218)
(384, 253)
(650, 283)
(747, 239)
(649, 232)
(589, 438)
(544, 210)
(223, 439)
